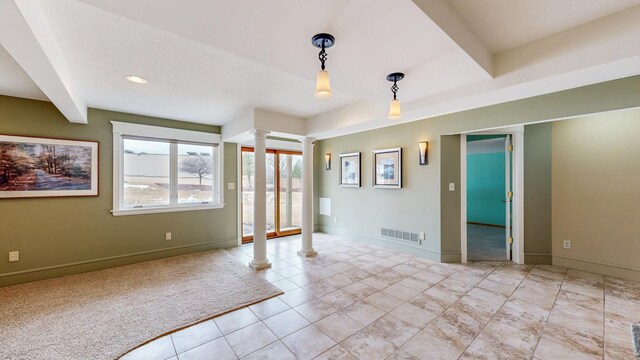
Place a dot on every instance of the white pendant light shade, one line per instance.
(394, 110)
(323, 86)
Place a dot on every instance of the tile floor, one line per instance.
(356, 301)
(486, 243)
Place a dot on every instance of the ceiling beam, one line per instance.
(562, 61)
(25, 33)
(447, 19)
(280, 125)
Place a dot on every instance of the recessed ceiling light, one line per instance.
(136, 79)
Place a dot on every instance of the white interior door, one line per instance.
(508, 194)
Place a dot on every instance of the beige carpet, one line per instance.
(104, 314)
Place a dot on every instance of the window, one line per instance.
(147, 175)
(162, 170)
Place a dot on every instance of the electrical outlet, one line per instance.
(566, 244)
(14, 256)
(452, 186)
(423, 236)
(167, 236)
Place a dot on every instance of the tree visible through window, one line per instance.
(147, 173)
(195, 173)
(198, 165)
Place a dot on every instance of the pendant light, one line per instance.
(394, 107)
(323, 86)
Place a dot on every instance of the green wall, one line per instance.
(60, 236)
(537, 193)
(425, 204)
(450, 206)
(486, 188)
(361, 212)
(595, 176)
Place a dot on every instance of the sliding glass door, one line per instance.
(284, 200)
(290, 193)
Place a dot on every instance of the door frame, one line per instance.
(517, 206)
(273, 234)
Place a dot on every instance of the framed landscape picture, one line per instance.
(44, 167)
(350, 170)
(387, 168)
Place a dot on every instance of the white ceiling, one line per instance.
(187, 80)
(14, 81)
(506, 24)
(278, 34)
(215, 61)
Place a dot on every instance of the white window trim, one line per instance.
(122, 129)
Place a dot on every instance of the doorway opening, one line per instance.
(488, 197)
(284, 193)
(492, 195)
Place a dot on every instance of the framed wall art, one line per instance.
(47, 167)
(387, 168)
(350, 170)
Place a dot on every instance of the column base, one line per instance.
(307, 253)
(260, 265)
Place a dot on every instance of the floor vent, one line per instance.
(635, 337)
(400, 235)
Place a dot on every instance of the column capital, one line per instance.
(259, 133)
(307, 140)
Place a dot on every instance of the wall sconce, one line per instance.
(394, 107)
(323, 86)
(423, 148)
(327, 161)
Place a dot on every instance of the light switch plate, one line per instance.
(14, 256)
(231, 186)
(452, 186)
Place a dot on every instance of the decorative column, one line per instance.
(260, 260)
(307, 198)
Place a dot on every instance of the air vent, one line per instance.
(400, 235)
